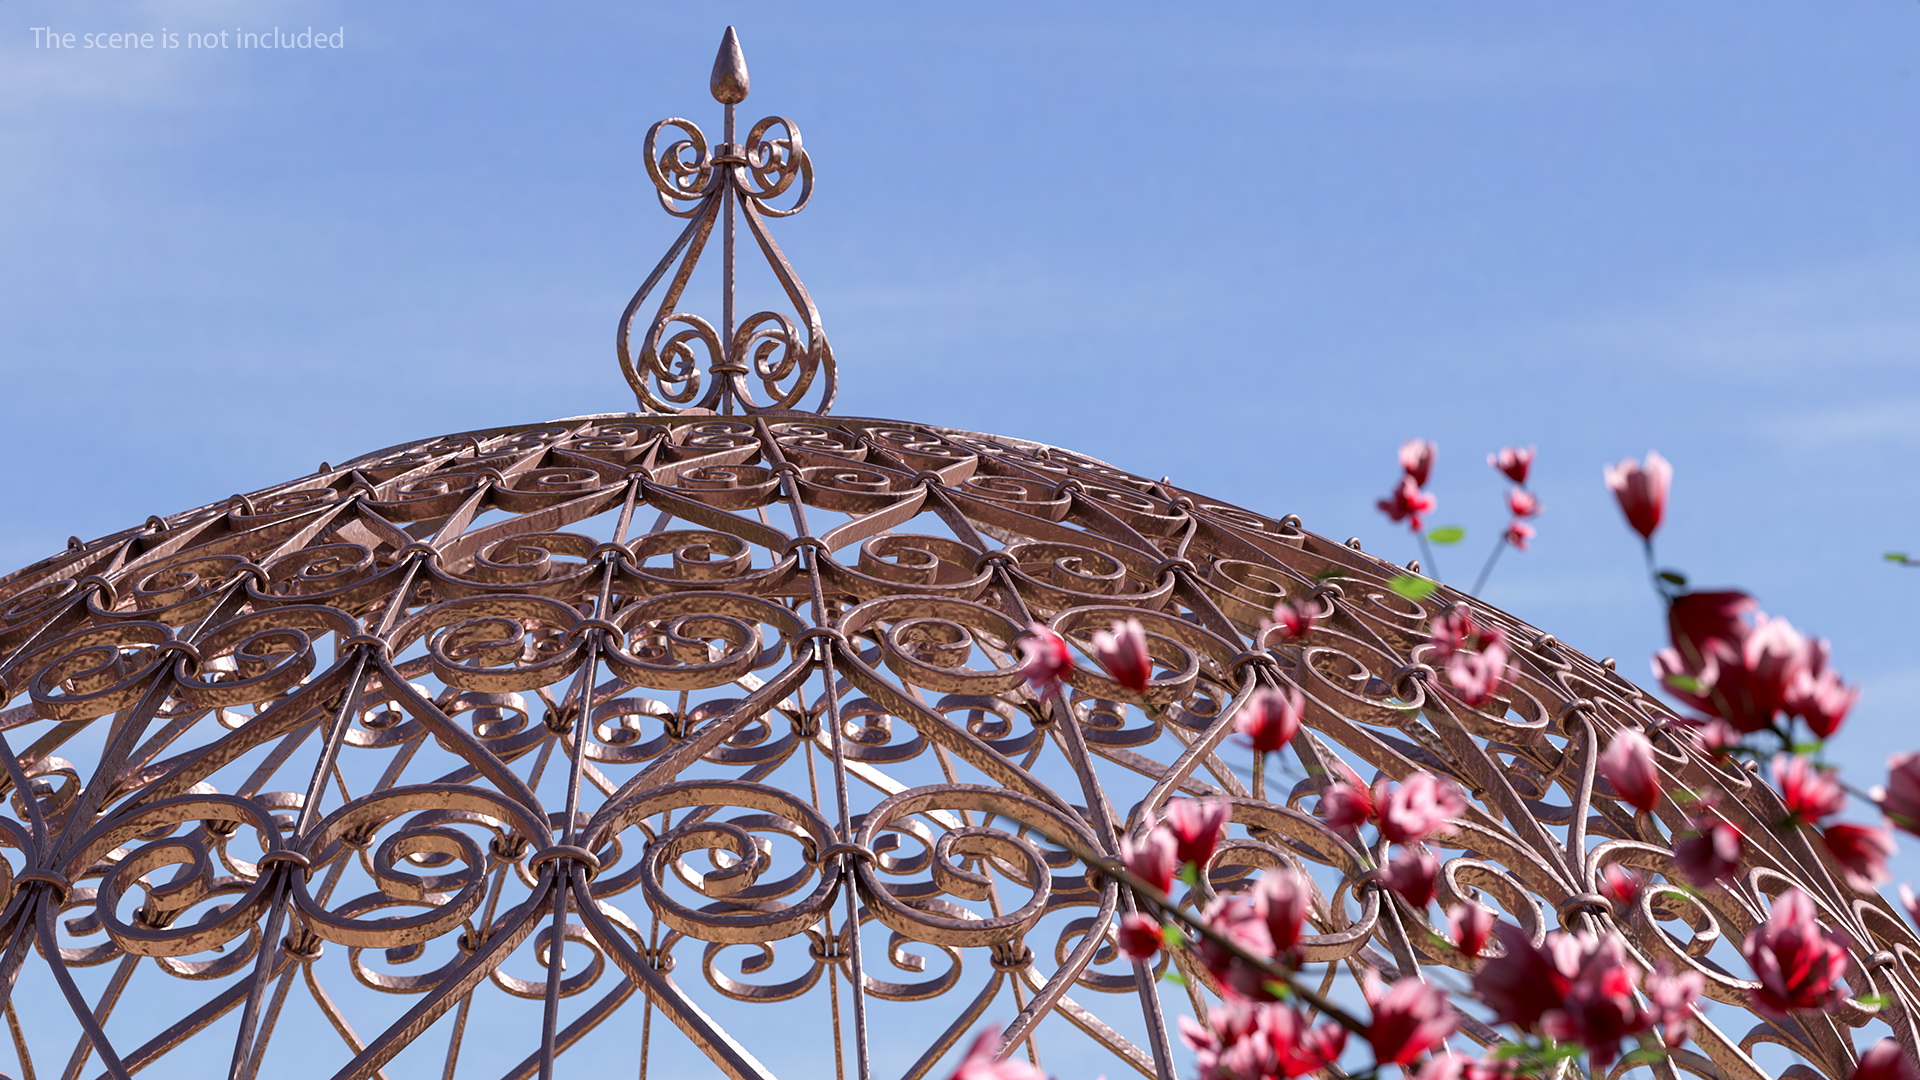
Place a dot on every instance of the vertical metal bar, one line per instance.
(581, 717)
(109, 997)
(244, 1058)
(550, 1016)
(19, 1042)
(726, 265)
(808, 554)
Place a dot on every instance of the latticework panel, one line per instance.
(571, 748)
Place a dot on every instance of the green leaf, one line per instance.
(1329, 575)
(1685, 889)
(1415, 589)
(1281, 991)
(1897, 556)
(1875, 1001)
(1566, 1051)
(1674, 577)
(1175, 937)
(1175, 978)
(1447, 534)
(1686, 684)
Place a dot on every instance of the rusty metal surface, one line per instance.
(593, 739)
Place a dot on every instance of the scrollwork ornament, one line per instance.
(685, 713)
(768, 362)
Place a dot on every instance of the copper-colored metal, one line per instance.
(469, 756)
(769, 362)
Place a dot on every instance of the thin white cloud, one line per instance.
(1428, 67)
(1849, 316)
(1893, 420)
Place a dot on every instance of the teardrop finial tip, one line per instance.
(729, 83)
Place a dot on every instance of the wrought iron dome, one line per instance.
(569, 749)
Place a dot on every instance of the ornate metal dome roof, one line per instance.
(584, 741)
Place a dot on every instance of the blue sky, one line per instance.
(1252, 248)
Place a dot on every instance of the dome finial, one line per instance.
(729, 83)
(773, 360)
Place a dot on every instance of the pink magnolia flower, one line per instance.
(1671, 997)
(1317, 1049)
(1691, 676)
(1044, 658)
(1798, 964)
(1629, 766)
(1861, 851)
(1235, 917)
(1153, 857)
(1715, 738)
(1421, 806)
(1408, 503)
(1244, 1030)
(1472, 925)
(1513, 461)
(1416, 460)
(1477, 678)
(1282, 897)
(1900, 798)
(1295, 619)
(1773, 656)
(1525, 980)
(1259, 1041)
(1641, 491)
(1745, 681)
(1696, 618)
(1410, 1017)
(1123, 652)
(1808, 792)
(1198, 826)
(1493, 1067)
(1451, 631)
(1599, 1008)
(1412, 873)
(1620, 885)
(1518, 533)
(1886, 1061)
(1345, 802)
(1522, 503)
(981, 1063)
(1139, 936)
(1446, 1065)
(1818, 696)
(1712, 854)
(1270, 718)
(1823, 701)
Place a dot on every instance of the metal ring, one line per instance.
(62, 887)
(377, 645)
(565, 853)
(602, 625)
(845, 850)
(1583, 903)
(285, 856)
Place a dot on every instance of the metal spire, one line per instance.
(771, 361)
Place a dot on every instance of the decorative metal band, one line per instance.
(770, 361)
(491, 754)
